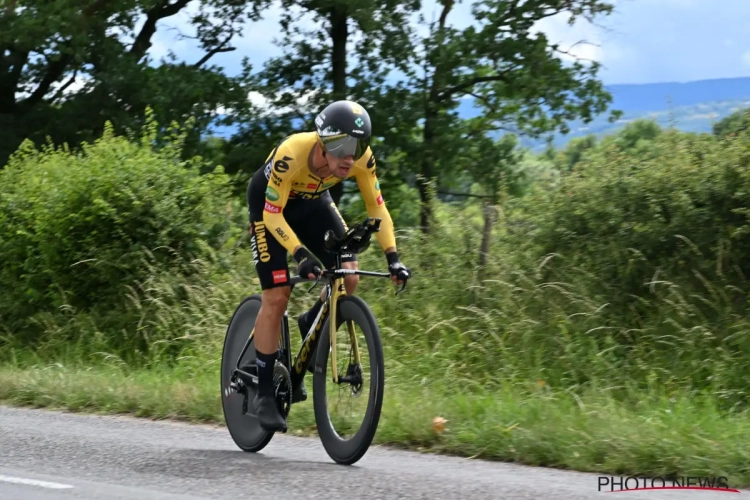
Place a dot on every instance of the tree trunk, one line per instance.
(427, 167)
(338, 18)
(14, 131)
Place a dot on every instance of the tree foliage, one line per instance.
(64, 79)
(520, 81)
(732, 124)
(66, 68)
(348, 54)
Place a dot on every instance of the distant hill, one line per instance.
(691, 106)
(653, 96)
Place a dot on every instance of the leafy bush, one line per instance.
(636, 222)
(77, 228)
(732, 124)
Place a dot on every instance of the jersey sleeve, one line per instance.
(280, 174)
(369, 186)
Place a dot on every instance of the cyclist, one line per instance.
(290, 211)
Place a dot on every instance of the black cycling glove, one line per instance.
(396, 268)
(307, 263)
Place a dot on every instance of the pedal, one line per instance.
(234, 387)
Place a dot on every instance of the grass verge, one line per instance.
(660, 436)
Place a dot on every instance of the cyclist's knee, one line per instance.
(351, 281)
(275, 300)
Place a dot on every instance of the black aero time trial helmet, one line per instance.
(344, 129)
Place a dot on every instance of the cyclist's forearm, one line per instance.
(279, 229)
(386, 236)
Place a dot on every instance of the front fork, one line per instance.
(339, 290)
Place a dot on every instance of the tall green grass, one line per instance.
(540, 358)
(522, 369)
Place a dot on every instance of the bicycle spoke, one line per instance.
(347, 407)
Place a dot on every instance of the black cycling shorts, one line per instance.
(309, 219)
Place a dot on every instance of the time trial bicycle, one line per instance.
(239, 379)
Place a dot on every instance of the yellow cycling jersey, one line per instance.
(289, 177)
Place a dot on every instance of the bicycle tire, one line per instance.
(348, 452)
(245, 430)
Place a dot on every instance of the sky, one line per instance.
(642, 41)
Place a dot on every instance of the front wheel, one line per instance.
(347, 439)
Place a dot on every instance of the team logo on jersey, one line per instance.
(305, 196)
(272, 194)
(279, 276)
(282, 234)
(380, 199)
(281, 165)
(377, 185)
(258, 243)
(270, 207)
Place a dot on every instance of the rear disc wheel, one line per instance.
(237, 401)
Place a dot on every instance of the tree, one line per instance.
(732, 124)
(328, 63)
(518, 79)
(566, 159)
(48, 46)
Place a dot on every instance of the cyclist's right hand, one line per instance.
(308, 265)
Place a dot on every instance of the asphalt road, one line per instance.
(53, 455)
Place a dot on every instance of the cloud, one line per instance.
(578, 41)
(263, 104)
(674, 40)
(746, 58)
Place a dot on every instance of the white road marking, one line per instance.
(35, 482)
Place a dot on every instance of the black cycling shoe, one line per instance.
(303, 329)
(268, 413)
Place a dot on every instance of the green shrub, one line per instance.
(77, 228)
(679, 213)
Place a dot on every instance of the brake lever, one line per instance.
(315, 283)
(402, 286)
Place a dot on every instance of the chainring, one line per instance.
(282, 384)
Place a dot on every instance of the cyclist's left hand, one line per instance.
(399, 272)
